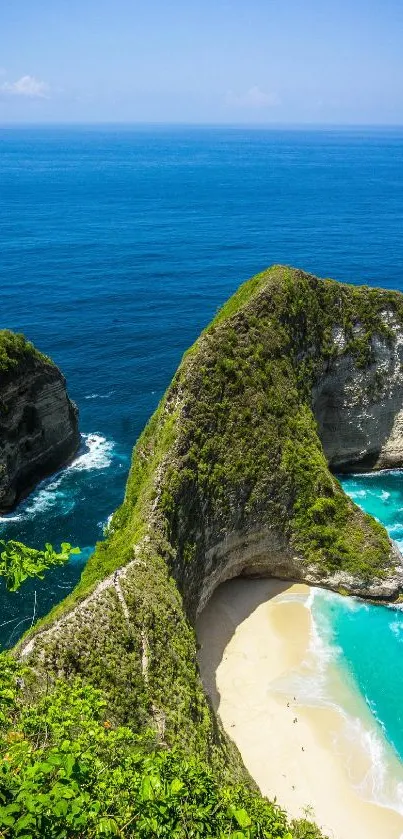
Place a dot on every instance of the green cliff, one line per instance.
(231, 476)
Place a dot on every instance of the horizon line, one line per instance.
(184, 124)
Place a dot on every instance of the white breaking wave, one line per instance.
(378, 784)
(313, 685)
(356, 493)
(96, 453)
(99, 395)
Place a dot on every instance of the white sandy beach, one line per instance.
(252, 634)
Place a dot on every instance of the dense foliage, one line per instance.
(247, 446)
(18, 562)
(16, 350)
(66, 771)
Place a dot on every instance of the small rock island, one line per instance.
(38, 422)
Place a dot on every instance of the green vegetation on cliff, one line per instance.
(15, 350)
(248, 429)
(68, 772)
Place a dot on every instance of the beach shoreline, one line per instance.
(254, 635)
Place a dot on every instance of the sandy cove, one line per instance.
(252, 633)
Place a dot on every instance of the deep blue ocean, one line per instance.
(117, 247)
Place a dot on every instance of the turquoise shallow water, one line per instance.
(364, 641)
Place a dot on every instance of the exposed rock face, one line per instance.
(360, 410)
(38, 427)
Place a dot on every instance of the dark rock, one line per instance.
(38, 424)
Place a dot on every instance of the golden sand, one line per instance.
(253, 634)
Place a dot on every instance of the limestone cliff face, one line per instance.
(359, 410)
(38, 426)
(231, 477)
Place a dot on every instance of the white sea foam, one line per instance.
(98, 453)
(356, 493)
(310, 683)
(106, 525)
(315, 684)
(396, 627)
(378, 784)
(375, 475)
(100, 395)
(314, 687)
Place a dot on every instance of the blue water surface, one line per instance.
(118, 245)
(370, 638)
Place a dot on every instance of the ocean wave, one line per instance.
(395, 530)
(97, 454)
(323, 681)
(46, 496)
(100, 395)
(379, 784)
(309, 683)
(60, 492)
(396, 627)
(356, 493)
(375, 475)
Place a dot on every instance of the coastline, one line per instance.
(255, 638)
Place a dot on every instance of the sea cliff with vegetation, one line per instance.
(38, 422)
(294, 378)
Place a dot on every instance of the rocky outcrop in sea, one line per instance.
(38, 422)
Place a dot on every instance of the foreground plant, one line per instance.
(18, 562)
(66, 771)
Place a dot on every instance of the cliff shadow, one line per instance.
(231, 603)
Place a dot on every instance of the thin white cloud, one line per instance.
(27, 86)
(254, 98)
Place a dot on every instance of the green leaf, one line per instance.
(146, 791)
(242, 818)
(18, 561)
(6, 819)
(107, 827)
(176, 786)
(28, 820)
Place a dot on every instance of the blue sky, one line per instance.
(210, 61)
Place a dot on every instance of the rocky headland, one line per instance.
(38, 422)
(231, 477)
(296, 378)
